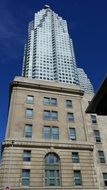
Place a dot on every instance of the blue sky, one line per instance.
(87, 22)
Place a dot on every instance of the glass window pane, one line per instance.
(69, 103)
(46, 100)
(105, 178)
(46, 114)
(70, 117)
(54, 115)
(53, 101)
(72, 133)
(93, 119)
(77, 177)
(29, 113)
(30, 99)
(28, 131)
(47, 132)
(75, 157)
(26, 155)
(55, 132)
(97, 135)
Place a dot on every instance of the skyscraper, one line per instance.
(84, 81)
(50, 142)
(49, 53)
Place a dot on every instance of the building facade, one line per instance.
(49, 53)
(84, 81)
(50, 142)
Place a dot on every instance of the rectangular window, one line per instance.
(105, 178)
(70, 117)
(46, 114)
(46, 101)
(93, 119)
(30, 99)
(75, 157)
(27, 155)
(77, 178)
(25, 177)
(51, 132)
(54, 115)
(28, 131)
(101, 156)
(53, 101)
(68, 103)
(29, 113)
(50, 115)
(97, 135)
(72, 134)
(50, 101)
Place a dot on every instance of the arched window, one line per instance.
(52, 170)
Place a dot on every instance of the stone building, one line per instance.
(51, 143)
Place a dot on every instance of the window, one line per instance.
(72, 134)
(75, 157)
(69, 103)
(25, 177)
(28, 131)
(70, 117)
(52, 170)
(50, 101)
(93, 119)
(30, 99)
(97, 135)
(50, 115)
(105, 178)
(27, 155)
(51, 132)
(77, 177)
(29, 113)
(101, 156)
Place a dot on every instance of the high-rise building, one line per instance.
(49, 53)
(84, 81)
(50, 142)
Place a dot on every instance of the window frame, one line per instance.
(26, 155)
(97, 136)
(70, 119)
(101, 156)
(105, 179)
(76, 178)
(28, 101)
(50, 134)
(75, 157)
(27, 115)
(28, 132)
(67, 104)
(25, 178)
(73, 134)
(93, 119)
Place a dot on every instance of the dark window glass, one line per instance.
(70, 117)
(105, 178)
(101, 156)
(72, 134)
(25, 177)
(77, 177)
(27, 155)
(52, 169)
(97, 136)
(93, 119)
(75, 157)
(69, 103)
(28, 131)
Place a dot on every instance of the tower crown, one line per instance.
(46, 6)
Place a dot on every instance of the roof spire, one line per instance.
(46, 7)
